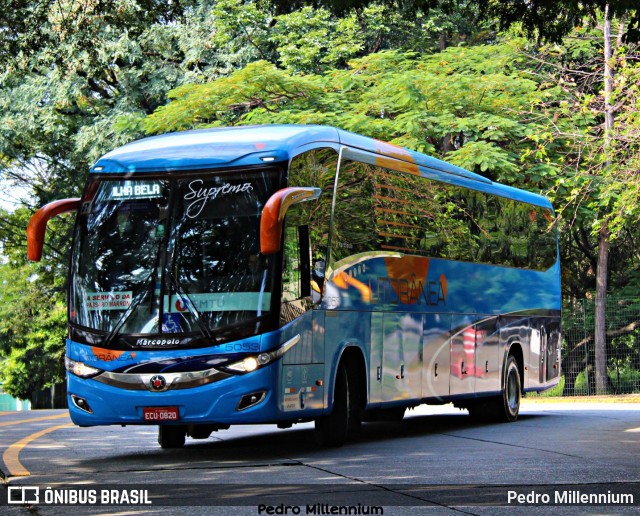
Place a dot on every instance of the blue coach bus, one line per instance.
(284, 274)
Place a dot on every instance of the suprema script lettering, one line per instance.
(200, 195)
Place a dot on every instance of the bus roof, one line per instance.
(258, 145)
(214, 148)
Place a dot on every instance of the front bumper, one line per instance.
(211, 403)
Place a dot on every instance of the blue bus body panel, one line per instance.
(430, 285)
(211, 403)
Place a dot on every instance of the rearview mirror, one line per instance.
(274, 212)
(38, 224)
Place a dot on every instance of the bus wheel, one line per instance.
(170, 436)
(344, 421)
(511, 391)
(505, 407)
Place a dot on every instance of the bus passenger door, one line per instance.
(303, 365)
(303, 370)
(402, 356)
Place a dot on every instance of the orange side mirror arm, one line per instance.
(38, 224)
(274, 212)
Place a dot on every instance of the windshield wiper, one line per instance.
(184, 297)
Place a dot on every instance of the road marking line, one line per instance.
(11, 455)
(43, 418)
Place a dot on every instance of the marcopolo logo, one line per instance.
(157, 342)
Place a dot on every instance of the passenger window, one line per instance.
(383, 210)
(315, 168)
(306, 233)
(296, 278)
(354, 227)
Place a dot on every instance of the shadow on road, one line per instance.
(266, 445)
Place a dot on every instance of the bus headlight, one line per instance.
(246, 365)
(253, 362)
(80, 369)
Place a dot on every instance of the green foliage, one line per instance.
(551, 20)
(311, 38)
(484, 156)
(597, 184)
(472, 105)
(548, 20)
(32, 332)
(623, 380)
(33, 315)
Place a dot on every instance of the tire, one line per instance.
(506, 406)
(199, 431)
(170, 436)
(345, 419)
(511, 391)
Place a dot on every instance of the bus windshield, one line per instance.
(172, 255)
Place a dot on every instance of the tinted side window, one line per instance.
(354, 224)
(419, 216)
(379, 209)
(306, 233)
(315, 168)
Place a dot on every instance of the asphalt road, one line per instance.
(555, 458)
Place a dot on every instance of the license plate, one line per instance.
(160, 413)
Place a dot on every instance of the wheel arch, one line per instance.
(352, 356)
(515, 350)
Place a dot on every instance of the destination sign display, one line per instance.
(125, 190)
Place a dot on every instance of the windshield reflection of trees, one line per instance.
(119, 254)
(379, 209)
(217, 254)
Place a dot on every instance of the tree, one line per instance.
(70, 71)
(548, 20)
(32, 324)
(594, 66)
(472, 106)
(552, 20)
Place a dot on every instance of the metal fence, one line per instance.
(578, 350)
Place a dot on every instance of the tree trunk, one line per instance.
(600, 336)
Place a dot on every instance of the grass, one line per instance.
(613, 398)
